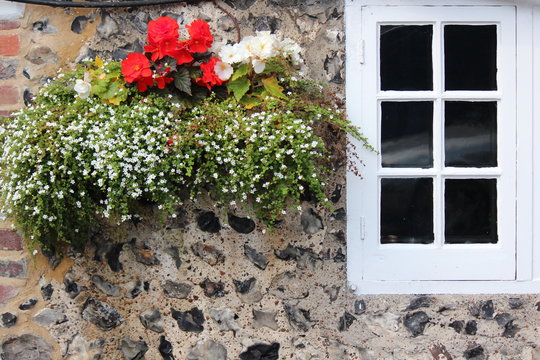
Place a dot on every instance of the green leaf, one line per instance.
(239, 87)
(272, 86)
(242, 70)
(250, 101)
(182, 80)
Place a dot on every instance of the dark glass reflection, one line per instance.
(470, 134)
(470, 57)
(407, 134)
(406, 57)
(407, 211)
(470, 211)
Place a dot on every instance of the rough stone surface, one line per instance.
(8, 320)
(26, 346)
(191, 320)
(178, 290)
(47, 317)
(41, 55)
(416, 322)
(133, 350)
(243, 225)
(151, 319)
(28, 304)
(261, 352)
(225, 319)
(105, 287)
(101, 314)
(207, 350)
(256, 257)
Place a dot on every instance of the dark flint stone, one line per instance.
(26, 74)
(178, 17)
(8, 320)
(346, 321)
(71, 287)
(28, 304)
(255, 257)
(332, 292)
(340, 256)
(104, 286)
(240, 4)
(266, 23)
(140, 21)
(78, 24)
(245, 286)
(177, 290)
(510, 329)
(146, 285)
(133, 350)
(39, 25)
(515, 303)
(151, 320)
(120, 54)
(110, 252)
(101, 314)
(298, 318)
(44, 26)
(261, 352)
(191, 320)
(340, 236)
(336, 194)
(537, 306)
(53, 260)
(334, 65)
(136, 290)
(26, 347)
(47, 291)
(178, 222)
(311, 222)
(419, 302)
(143, 253)
(471, 327)
(208, 253)
(209, 222)
(487, 310)
(175, 254)
(457, 325)
(165, 348)
(474, 352)
(307, 194)
(416, 322)
(213, 289)
(243, 225)
(503, 319)
(359, 307)
(28, 97)
(340, 214)
(289, 253)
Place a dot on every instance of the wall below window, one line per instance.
(226, 290)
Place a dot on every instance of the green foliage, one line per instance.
(68, 161)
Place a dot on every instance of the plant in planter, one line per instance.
(181, 119)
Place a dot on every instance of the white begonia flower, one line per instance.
(258, 65)
(264, 45)
(290, 48)
(217, 46)
(223, 70)
(232, 54)
(82, 88)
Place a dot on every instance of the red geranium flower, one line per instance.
(136, 67)
(201, 38)
(209, 77)
(163, 28)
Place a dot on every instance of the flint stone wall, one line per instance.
(209, 283)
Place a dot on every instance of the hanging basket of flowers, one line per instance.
(183, 118)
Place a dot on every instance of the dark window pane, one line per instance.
(407, 134)
(470, 57)
(470, 211)
(470, 134)
(407, 211)
(406, 57)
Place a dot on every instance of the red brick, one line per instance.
(9, 24)
(7, 292)
(13, 269)
(6, 113)
(9, 44)
(9, 95)
(10, 240)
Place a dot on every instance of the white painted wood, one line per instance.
(535, 239)
(436, 261)
(11, 10)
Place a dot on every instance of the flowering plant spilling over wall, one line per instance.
(184, 118)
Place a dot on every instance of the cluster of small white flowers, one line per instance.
(256, 50)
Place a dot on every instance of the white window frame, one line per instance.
(527, 270)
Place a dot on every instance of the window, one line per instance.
(440, 208)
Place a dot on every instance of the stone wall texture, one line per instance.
(207, 283)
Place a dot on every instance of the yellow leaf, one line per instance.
(98, 62)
